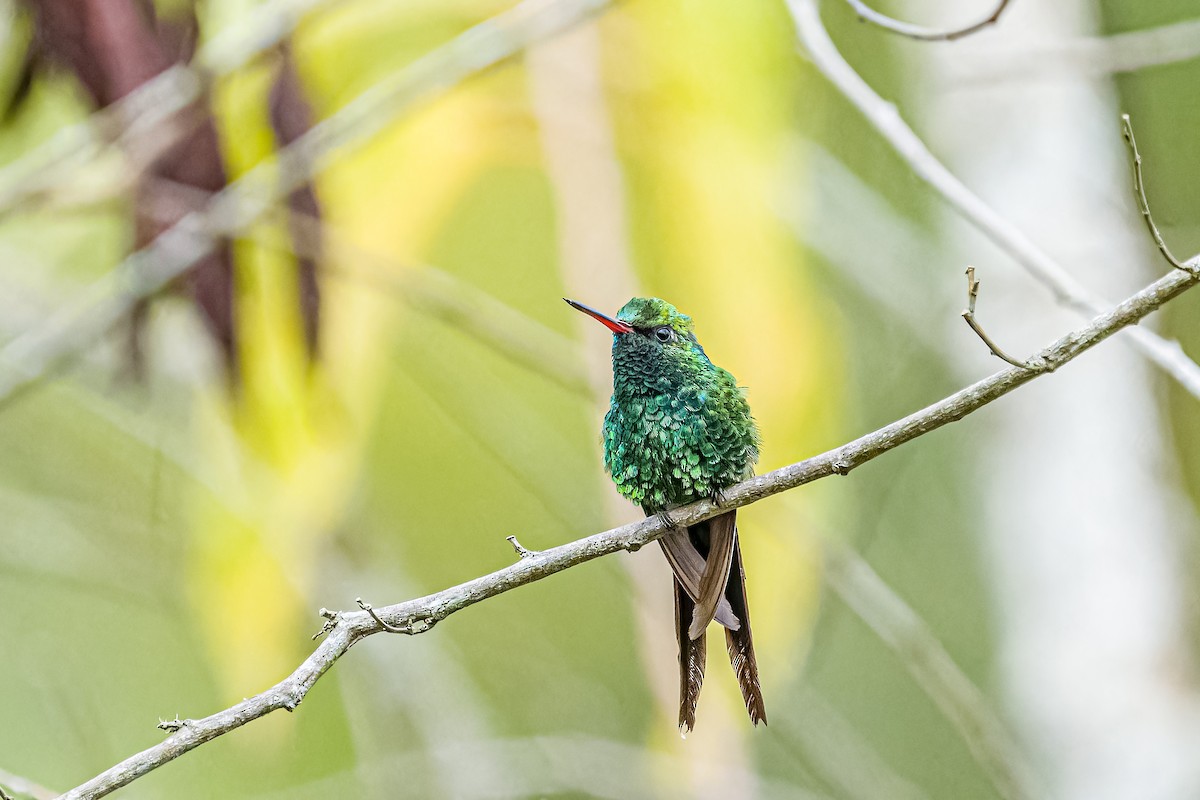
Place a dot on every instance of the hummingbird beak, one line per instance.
(614, 325)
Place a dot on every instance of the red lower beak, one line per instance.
(614, 325)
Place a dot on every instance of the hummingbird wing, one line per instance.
(722, 538)
(691, 659)
(688, 565)
(740, 641)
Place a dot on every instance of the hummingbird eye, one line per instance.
(664, 334)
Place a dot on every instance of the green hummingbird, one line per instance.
(679, 429)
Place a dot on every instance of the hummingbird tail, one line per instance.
(687, 564)
(721, 535)
(740, 642)
(691, 660)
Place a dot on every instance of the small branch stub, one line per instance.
(1139, 192)
(172, 725)
(331, 621)
(969, 316)
(522, 551)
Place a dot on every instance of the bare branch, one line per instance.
(1168, 355)
(414, 615)
(902, 630)
(1089, 56)
(1139, 191)
(868, 14)
(969, 316)
(33, 354)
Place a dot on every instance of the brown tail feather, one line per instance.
(741, 642)
(721, 533)
(688, 565)
(691, 660)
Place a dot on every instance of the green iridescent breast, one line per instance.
(669, 448)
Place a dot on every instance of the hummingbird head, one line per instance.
(654, 345)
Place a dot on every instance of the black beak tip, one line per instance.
(613, 325)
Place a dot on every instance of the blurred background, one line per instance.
(374, 381)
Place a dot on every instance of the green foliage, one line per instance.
(166, 543)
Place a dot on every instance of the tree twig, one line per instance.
(1139, 191)
(882, 115)
(969, 316)
(350, 627)
(868, 14)
(410, 628)
(33, 354)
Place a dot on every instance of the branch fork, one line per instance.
(969, 315)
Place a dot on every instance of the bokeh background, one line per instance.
(176, 505)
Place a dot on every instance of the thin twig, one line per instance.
(30, 356)
(882, 115)
(354, 626)
(411, 627)
(969, 316)
(868, 14)
(918, 649)
(1139, 191)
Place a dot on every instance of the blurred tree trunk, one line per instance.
(113, 47)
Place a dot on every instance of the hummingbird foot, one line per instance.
(718, 497)
(666, 520)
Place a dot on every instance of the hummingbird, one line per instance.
(679, 429)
